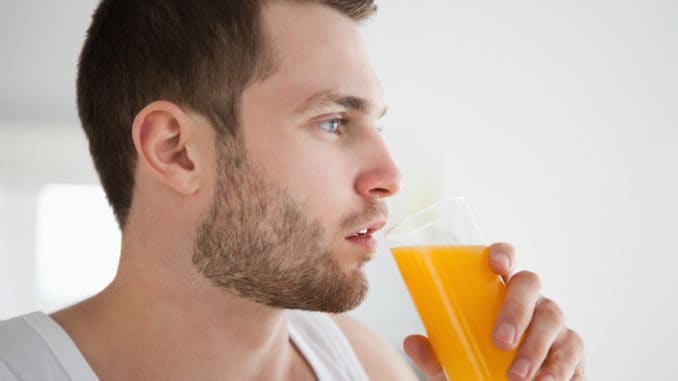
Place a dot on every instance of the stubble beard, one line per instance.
(258, 243)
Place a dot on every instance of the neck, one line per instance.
(164, 320)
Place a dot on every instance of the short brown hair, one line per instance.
(199, 54)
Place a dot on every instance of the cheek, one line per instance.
(317, 174)
(324, 187)
(321, 182)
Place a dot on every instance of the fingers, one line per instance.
(419, 349)
(566, 360)
(502, 259)
(522, 294)
(549, 350)
(546, 326)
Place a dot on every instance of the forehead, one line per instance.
(316, 50)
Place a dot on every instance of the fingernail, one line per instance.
(521, 367)
(505, 333)
(502, 260)
(548, 377)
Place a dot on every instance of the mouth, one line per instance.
(363, 236)
(369, 229)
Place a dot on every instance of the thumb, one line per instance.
(419, 349)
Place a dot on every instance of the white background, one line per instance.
(557, 119)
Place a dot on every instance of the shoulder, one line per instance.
(24, 353)
(18, 335)
(377, 356)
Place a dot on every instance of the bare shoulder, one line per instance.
(377, 356)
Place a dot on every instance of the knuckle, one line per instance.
(518, 312)
(562, 365)
(549, 310)
(580, 373)
(577, 340)
(558, 372)
(569, 358)
(577, 344)
(536, 350)
(567, 355)
(530, 278)
(504, 247)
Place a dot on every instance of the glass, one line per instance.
(446, 269)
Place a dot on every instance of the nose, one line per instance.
(379, 176)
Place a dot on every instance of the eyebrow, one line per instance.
(327, 98)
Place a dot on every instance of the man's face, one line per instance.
(284, 227)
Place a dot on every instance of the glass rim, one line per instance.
(392, 232)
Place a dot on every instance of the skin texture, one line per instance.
(208, 216)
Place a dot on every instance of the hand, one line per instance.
(550, 351)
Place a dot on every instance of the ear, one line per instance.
(165, 140)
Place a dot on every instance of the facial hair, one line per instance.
(258, 243)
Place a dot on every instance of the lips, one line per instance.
(368, 229)
(362, 236)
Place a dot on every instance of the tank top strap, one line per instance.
(324, 346)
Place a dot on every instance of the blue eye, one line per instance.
(332, 125)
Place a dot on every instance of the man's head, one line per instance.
(297, 167)
(200, 55)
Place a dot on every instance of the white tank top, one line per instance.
(35, 347)
(324, 346)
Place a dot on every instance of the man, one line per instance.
(237, 144)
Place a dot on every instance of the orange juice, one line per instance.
(458, 299)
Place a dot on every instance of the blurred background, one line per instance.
(558, 120)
